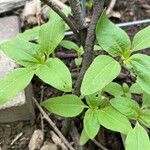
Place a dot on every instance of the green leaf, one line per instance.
(51, 33)
(100, 73)
(91, 124)
(126, 90)
(146, 99)
(66, 106)
(30, 34)
(114, 89)
(72, 46)
(24, 53)
(84, 137)
(14, 83)
(96, 100)
(93, 100)
(78, 61)
(125, 87)
(137, 139)
(97, 48)
(141, 66)
(135, 88)
(55, 73)
(111, 38)
(126, 106)
(144, 117)
(111, 119)
(69, 45)
(141, 39)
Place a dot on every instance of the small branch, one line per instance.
(111, 6)
(66, 55)
(89, 43)
(61, 14)
(77, 14)
(99, 145)
(46, 117)
(41, 99)
(16, 138)
(79, 20)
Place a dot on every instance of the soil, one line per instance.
(130, 10)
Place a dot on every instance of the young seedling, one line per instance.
(116, 113)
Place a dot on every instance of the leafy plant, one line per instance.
(117, 111)
(35, 58)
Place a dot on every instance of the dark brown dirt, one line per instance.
(130, 10)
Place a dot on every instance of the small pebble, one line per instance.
(36, 140)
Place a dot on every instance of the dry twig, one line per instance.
(16, 138)
(41, 99)
(111, 6)
(99, 145)
(46, 117)
(77, 14)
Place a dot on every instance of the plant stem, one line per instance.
(79, 20)
(89, 43)
(55, 8)
(77, 14)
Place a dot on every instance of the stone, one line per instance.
(36, 140)
(8, 5)
(49, 146)
(9, 28)
(20, 107)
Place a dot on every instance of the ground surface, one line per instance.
(130, 10)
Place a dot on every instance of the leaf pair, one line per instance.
(107, 117)
(27, 54)
(71, 106)
(126, 106)
(131, 109)
(116, 42)
(137, 138)
(35, 57)
(117, 90)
